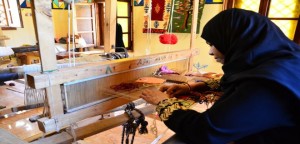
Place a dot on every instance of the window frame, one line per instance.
(264, 8)
(10, 25)
(129, 17)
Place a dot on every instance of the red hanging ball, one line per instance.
(168, 39)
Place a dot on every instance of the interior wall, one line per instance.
(144, 43)
(60, 21)
(26, 35)
(209, 11)
(22, 36)
(148, 43)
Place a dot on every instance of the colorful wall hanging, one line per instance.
(25, 4)
(157, 11)
(157, 14)
(214, 1)
(59, 4)
(182, 16)
(160, 16)
(138, 2)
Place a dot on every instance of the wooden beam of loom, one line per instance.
(8, 138)
(50, 125)
(43, 80)
(93, 128)
(42, 19)
(131, 67)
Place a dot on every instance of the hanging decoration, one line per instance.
(59, 4)
(168, 39)
(157, 18)
(214, 1)
(138, 2)
(182, 16)
(157, 11)
(157, 15)
(26, 4)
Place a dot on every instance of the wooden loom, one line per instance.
(92, 80)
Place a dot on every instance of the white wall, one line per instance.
(26, 35)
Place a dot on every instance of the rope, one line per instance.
(73, 31)
(159, 137)
(69, 33)
(32, 96)
(170, 30)
(154, 127)
(148, 49)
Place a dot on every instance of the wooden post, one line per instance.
(110, 25)
(42, 15)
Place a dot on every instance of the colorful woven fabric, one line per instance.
(157, 12)
(166, 107)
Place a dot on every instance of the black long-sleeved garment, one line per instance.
(253, 112)
(261, 101)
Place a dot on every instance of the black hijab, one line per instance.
(254, 48)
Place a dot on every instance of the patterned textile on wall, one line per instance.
(157, 14)
(157, 10)
(182, 16)
(214, 1)
(59, 4)
(160, 18)
(25, 4)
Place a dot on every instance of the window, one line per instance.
(284, 13)
(124, 19)
(10, 15)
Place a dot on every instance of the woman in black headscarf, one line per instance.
(261, 90)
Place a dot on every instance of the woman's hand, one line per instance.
(175, 90)
(153, 96)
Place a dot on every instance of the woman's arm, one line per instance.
(237, 114)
